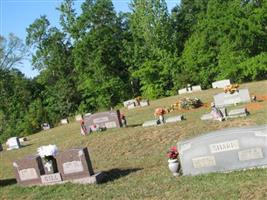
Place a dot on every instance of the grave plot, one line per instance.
(226, 99)
(110, 119)
(72, 165)
(224, 150)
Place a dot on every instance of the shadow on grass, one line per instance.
(7, 182)
(133, 125)
(116, 173)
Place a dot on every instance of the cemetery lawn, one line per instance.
(134, 159)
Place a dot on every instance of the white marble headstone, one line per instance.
(221, 83)
(13, 143)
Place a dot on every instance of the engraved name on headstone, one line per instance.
(224, 150)
(51, 178)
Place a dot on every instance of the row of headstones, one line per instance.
(72, 165)
(197, 88)
(190, 89)
(133, 103)
(224, 150)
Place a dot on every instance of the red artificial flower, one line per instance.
(172, 153)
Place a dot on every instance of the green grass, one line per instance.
(134, 158)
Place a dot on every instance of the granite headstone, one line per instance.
(110, 119)
(224, 150)
(74, 164)
(28, 170)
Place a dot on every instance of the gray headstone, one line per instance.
(241, 112)
(196, 88)
(226, 99)
(224, 150)
(150, 123)
(221, 84)
(174, 119)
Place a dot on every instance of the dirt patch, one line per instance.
(254, 106)
(261, 97)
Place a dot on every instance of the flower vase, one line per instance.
(50, 165)
(173, 166)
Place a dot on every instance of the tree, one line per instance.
(12, 52)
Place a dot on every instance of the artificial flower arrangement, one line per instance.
(173, 154)
(47, 152)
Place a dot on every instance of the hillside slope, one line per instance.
(134, 158)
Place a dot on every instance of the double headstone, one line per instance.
(226, 99)
(13, 143)
(221, 83)
(224, 150)
(110, 119)
(130, 103)
(72, 165)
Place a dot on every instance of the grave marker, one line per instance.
(144, 103)
(13, 143)
(150, 123)
(177, 118)
(224, 150)
(108, 119)
(196, 88)
(78, 118)
(182, 91)
(221, 83)
(226, 99)
(74, 163)
(28, 170)
(64, 121)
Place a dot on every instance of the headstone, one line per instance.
(221, 84)
(74, 163)
(28, 170)
(13, 143)
(174, 119)
(64, 121)
(150, 123)
(182, 91)
(78, 118)
(128, 102)
(108, 119)
(144, 103)
(226, 99)
(1, 147)
(196, 88)
(87, 114)
(241, 112)
(45, 126)
(131, 106)
(224, 150)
